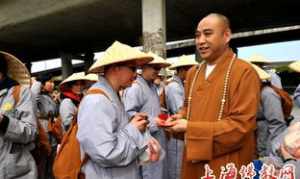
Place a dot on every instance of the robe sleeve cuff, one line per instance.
(152, 126)
(135, 135)
(199, 141)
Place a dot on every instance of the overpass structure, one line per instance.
(36, 30)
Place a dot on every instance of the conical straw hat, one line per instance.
(92, 77)
(263, 75)
(184, 60)
(295, 66)
(158, 61)
(258, 59)
(118, 53)
(76, 77)
(16, 69)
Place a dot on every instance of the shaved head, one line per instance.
(222, 19)
(212, 36)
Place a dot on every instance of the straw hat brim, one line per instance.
(119, 53)
(295, 66)
(175, 66)
(258, 59)
(99, 68)
(160, 65)
(158, 61)
(80, 76)
(184, 60)
(263, 75)
(92, 77)
(16, 69)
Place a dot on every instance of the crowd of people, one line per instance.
(223, 117)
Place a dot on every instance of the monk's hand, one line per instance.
(140, 121)
(179, 125)
(154, 150)
(176, 116)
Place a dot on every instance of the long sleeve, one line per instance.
(21, 126)
(208, 139)
(174, 97)
(101, 138)
(134, 100)
(297, 96)
(36, 90)
(273, 113)
(67, 110)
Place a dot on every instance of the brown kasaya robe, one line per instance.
(231, 139)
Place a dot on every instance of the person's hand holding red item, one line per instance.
(164, 120)
(177, 124)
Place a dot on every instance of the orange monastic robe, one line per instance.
(231, 139)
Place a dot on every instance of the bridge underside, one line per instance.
(35, 31)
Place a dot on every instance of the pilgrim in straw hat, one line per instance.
(80, 76)
(158, 64)
(102, 119)
(295, 66)
(77, 83)
(120, 53)
(173, 100)
(265, 64)
(72, 89)
(15, 68)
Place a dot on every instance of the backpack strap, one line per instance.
(16, 93)
(91, 91)
(97, 91)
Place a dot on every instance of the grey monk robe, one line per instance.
(174, 101)
(142, 97)
(106, 136)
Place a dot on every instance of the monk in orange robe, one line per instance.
(215, 132)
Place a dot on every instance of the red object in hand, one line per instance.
(163, 116)
(163, 120)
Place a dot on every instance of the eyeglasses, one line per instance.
(132, 68)
(157, 68)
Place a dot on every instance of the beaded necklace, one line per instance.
(224, 94)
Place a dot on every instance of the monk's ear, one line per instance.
(227, 35)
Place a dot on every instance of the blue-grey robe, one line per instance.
(297, 96)
(174, 100)
(275, 79)
(142, 97)
(106, 136)
(67, 110)
(17, 141)
(45, 105)
(270, 120)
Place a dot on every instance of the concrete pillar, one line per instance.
(66, 62)
(154, 26)
(88, 60)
